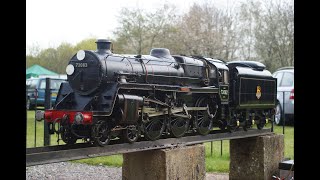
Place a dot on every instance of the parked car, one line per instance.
(285, 86)
(35, 87)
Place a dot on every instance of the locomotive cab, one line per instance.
(223, 71)
(223, 79)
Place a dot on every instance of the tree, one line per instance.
(132, 30)
(64, 52)
(88, 43)
(208, 31)
(56, 59)
(249, 11)
(272, 28)
(139, 31)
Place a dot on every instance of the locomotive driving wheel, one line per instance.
(203, 122)
(131, 134)
(179, 126)
(101, 133)
(154, 128)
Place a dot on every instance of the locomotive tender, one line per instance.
(132, 96)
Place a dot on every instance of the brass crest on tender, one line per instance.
(258, 94)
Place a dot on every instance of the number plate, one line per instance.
(83, 65)
(224, 92)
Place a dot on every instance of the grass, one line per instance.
(288, 140)
(114, 160)
(214, 163)
(217, 162)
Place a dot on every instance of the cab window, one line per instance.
(220, 72)
(226, 77)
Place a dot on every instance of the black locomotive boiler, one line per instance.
(111, 96)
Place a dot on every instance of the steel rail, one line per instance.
(52, 154)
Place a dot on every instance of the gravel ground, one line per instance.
(77, 171)
(217, 176)
(72, 171)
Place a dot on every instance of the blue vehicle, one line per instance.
(35, 90)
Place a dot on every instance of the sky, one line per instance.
(51, 22)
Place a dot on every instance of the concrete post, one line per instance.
(186, 163)
(257, 157)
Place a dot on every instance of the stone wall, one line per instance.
(256, 157)
(187, 163)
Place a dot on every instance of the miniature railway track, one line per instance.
(52, 154)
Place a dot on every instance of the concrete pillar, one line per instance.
(256, 157)
(187, 163)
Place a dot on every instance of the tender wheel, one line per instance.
(67, 136)
(261, 124)
(232, 125)
(203, 123)
(278, 116)
(179, 126)
(131, 134)
(101, 133)
(154, 128)
(231, 128)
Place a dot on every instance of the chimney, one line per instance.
(103, 46)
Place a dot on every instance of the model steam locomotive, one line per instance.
(111, 96)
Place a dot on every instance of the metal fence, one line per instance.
(283, 111)
(37, 112)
